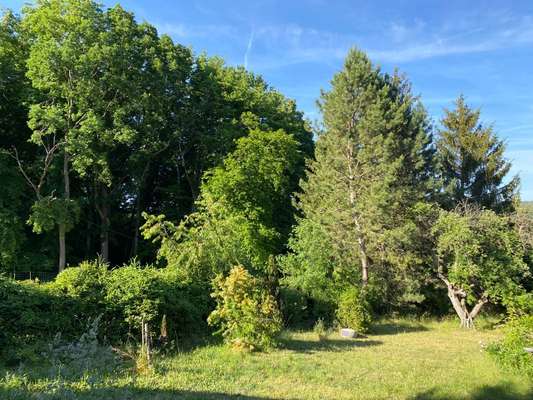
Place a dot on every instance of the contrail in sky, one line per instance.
(248, 48)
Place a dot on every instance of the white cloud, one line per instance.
(398, 42)
(301, 44)
(184, 31)
(248, 49)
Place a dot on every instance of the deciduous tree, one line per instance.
(479, 258)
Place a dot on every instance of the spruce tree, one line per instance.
(471, 162)
(372, 167)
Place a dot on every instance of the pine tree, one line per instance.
(471, 162)
(372, 166)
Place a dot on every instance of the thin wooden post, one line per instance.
(148, 346)
(145, 341)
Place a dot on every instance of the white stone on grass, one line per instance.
(347, 333)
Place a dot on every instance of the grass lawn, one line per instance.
(401, 360)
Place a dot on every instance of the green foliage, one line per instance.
(471, 162)
(30, 312)
(482, 253)
(242, 211)
(11, 236)
(100, 109)
(301, 310)
(519, 305)
(86, 284)
(361, 201)
(120, 299)
(354, 310)
(14, 85)
(510, 351)
(247, 315)
(11, 226)
(134, 293)
(310, 266)
(50, 211)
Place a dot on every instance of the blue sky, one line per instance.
(483, 49)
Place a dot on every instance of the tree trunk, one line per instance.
(363, 255)
(138, 210)
(136, 227)
(62, 227)
(458, 299)
(364, 261)
(62, 251)
(103, 211)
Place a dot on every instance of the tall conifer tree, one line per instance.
(372, 167)
(471, 161)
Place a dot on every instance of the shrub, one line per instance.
(354, 311)
(520, 305)
(247, 314)
(30, 312)
(320, 329)
(86, 280)
(302, 311)
(134, 293)
(86, 284)
(294, 307)
(510, 351)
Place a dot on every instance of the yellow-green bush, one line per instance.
(248, 316)
(354, 311)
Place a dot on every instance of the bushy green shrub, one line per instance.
(29, 312)
(85, 284)
(302, 311)
(120, 298)
(520, 305)
(246, 313)
(294, 307)
(87, 280)
(510, 351)
(354, 311)
(134, 293)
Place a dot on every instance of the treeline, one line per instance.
(118, 143)
(101, 119)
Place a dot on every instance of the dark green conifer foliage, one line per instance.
(471, 162)
(372, 167)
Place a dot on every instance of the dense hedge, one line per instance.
(30, 312)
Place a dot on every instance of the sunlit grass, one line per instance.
(402, 359)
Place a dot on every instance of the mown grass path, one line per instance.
(401, 360)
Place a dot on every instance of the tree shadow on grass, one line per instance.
(120, 393)
(394, 328)
(306, 346)
(496, 392)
